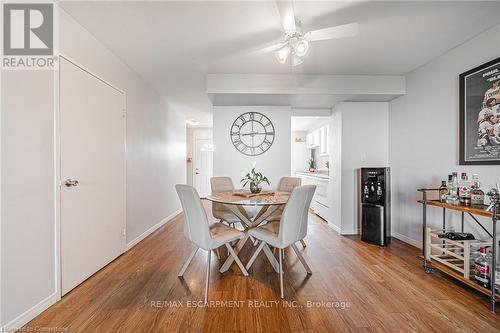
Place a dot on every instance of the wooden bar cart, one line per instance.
(444, 257)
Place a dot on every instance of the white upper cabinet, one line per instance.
(313, 139)
(323, 144)
(318, 139)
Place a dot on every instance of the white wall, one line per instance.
(156, 143)
(363, 142)
(28, 238)
(424, 133)
(274, 163)
(299, 153)
(155, 133)
(335, 186)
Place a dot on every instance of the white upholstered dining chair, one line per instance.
(203, 235)
(225, 184)
(286, 184)
(290, 229)
(222, 184)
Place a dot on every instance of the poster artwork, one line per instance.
(480, 115)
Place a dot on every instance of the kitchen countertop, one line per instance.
(317, 174)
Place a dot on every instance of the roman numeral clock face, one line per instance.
(252, 133)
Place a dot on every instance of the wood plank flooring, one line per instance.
(355, 287)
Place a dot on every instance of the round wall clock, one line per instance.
(252, 133)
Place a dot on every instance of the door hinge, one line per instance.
(124, 233)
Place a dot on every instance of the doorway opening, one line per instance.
(310, 158)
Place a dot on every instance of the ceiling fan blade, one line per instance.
(269, 48)
(287, 15)
(339, 31)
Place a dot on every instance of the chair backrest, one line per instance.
(293, 223)
(287, 184)
(196, 227)
(220, 184)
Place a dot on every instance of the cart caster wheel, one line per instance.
(428, 270)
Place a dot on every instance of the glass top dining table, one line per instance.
(246, 198)
(235, 201)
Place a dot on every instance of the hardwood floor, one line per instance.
(370, 289)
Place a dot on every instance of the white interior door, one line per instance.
(92, 147)
(203, 165)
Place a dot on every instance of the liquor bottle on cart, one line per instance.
(464, 190)
(443, 191)
(476, 194)
(453, 196)
(482, 268)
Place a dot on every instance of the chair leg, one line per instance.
(281, 272)
(254, 256)
(217, 253)
(236, 259)
(303, 243)
(301, 258)
(272, 258)
(186, 264)
(208, 276)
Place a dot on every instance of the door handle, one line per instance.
(71, 182)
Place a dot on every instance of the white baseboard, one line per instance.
(406, 239)
(349, 232)
(334, 227)
(28, 315)
(148, 232)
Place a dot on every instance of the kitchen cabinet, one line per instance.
(309, 141)
(319, 204)
(313, 139)
(318, 139)
(323, 142)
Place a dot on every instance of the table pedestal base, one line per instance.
(248, 223)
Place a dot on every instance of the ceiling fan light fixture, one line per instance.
(282, 54)
(301, 47)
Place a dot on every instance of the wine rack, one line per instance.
(454, 254)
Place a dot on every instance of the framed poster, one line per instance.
(480, 114)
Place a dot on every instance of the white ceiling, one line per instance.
(173, 45)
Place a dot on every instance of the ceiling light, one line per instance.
(208, 147)
(301, 47)
(283, 53)
(192, 122)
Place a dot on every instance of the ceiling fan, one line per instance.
(296, 42)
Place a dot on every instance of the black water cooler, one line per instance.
(376, 205)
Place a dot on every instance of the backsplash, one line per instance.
(320, 160)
